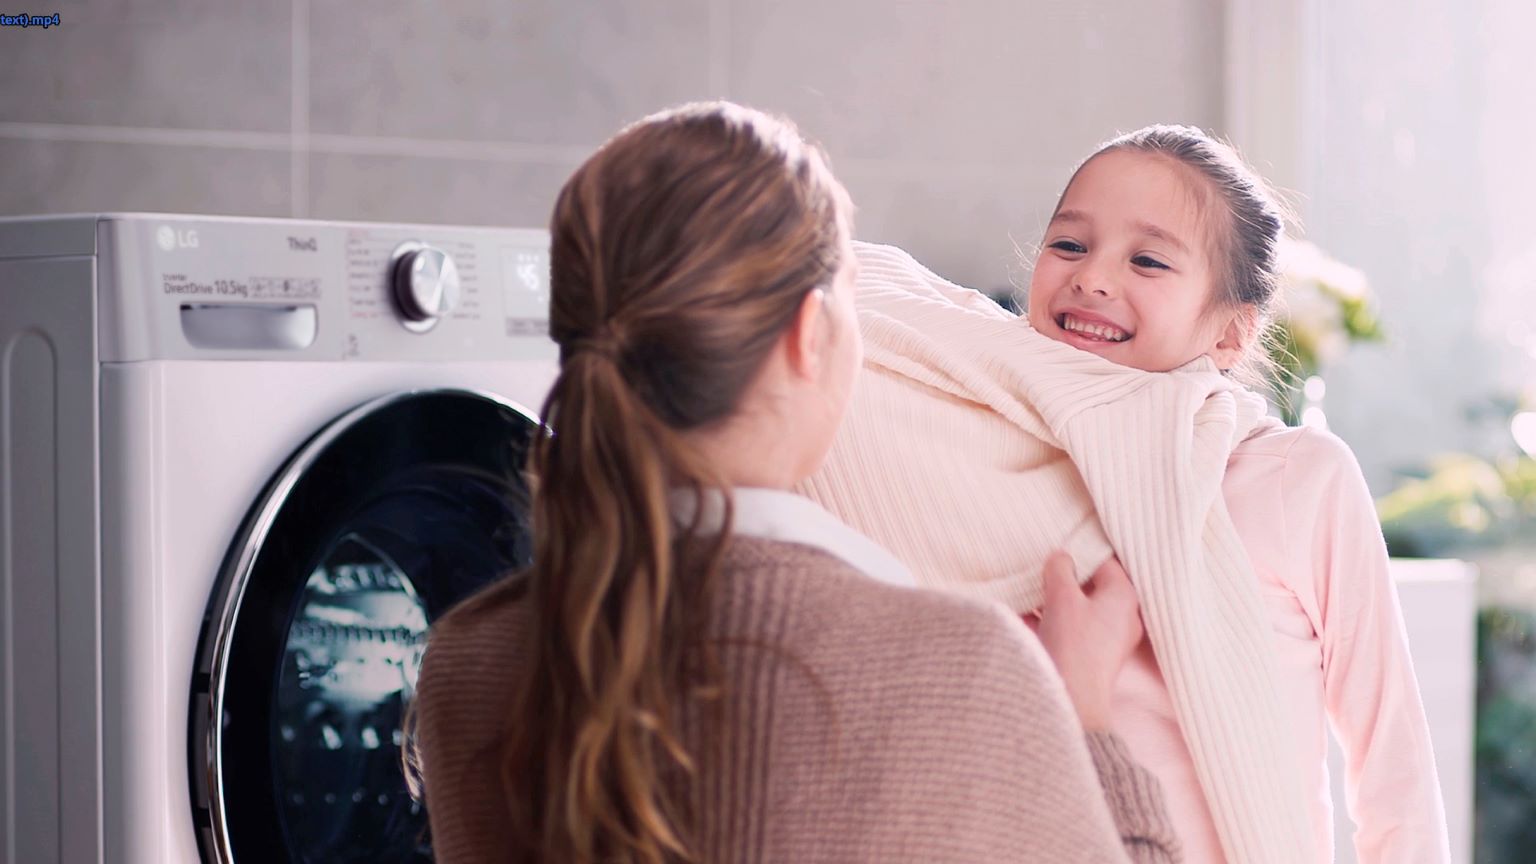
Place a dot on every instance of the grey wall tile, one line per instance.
(967, 226)
(991, 81)
(169, 63)
(60, 177)
(445, 191)
(554, 72)
(954, 124)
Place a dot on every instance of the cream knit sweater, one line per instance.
(974, 446)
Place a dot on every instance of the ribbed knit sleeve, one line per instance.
(1135, 802)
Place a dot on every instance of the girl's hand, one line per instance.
(1089, 634)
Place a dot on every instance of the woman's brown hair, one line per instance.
(680, 253)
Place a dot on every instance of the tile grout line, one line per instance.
(213, 138)
(298, 152)
(423, 148)
(485, 151)
(343, 145)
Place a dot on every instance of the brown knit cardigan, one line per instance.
(909, 726)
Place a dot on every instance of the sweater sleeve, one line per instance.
(1135, 800)
(1084, 797)
(875, 258)
(1371, 693)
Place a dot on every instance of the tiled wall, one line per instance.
(953, 122)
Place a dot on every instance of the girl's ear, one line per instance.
(1239, 332)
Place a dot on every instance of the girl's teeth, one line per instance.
(1108, 334)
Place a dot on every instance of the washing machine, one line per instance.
(246, 463)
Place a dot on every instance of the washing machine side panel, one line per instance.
(49, 752)
(143, 760)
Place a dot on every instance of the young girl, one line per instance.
(978, 441)
(1162, 251)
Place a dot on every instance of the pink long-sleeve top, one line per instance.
(1302, 509)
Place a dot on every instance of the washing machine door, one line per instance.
(315, 632)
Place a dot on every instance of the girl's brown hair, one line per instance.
(681, 251)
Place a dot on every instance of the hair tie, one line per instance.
(603, 344)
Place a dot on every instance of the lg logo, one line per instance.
(170, 239)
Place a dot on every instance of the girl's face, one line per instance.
(1125, 271)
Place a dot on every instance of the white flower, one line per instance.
(1314, 286)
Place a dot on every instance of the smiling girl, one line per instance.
(1161, 252)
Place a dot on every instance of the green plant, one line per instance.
(1460, 501)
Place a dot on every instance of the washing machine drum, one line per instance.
(315, 632)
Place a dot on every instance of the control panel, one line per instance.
(185, 286)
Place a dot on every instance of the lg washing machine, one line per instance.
(246, 463)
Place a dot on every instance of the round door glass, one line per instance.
(372, 532)
(349, 669)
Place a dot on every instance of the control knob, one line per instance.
(425, 284)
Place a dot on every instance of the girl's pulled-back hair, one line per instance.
(681, 251)
(1245, 236)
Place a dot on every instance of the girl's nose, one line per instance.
(1088, 284)
(1092, 278)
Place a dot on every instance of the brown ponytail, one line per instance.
(680, 253)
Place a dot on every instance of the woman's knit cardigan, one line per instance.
(859, 722)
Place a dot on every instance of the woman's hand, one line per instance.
(1089, 634)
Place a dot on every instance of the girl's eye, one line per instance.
(1150, 263)
(1071, 246)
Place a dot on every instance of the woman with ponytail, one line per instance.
(700, 666)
